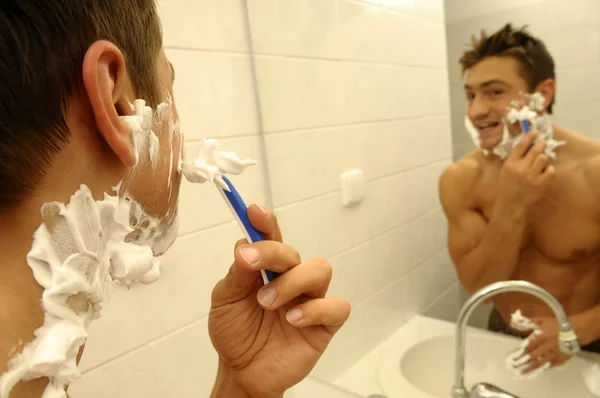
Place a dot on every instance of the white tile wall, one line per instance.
(359, 84)
(457, 10)
(131, 376)
(341, 85)
(205, 25)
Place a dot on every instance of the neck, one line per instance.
(21, 312)
(20, 293)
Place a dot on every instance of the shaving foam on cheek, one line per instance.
(211, 164)
(144, 139)
(528, 109)
(78, 251)
(159, 233)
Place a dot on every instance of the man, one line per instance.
(525, 217)
(69, 71)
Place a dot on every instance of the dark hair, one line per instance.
(42, 47)
(536, 62)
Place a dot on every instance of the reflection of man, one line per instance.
(525, 217)
(69, 72)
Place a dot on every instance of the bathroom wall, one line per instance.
(152, 341)
(347, 85)
(571, 31)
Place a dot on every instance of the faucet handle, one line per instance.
(487, 390)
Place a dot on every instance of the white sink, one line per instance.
(429, 366)
(418, 362)
(311, 387)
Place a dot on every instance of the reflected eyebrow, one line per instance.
(487, 83)
(172, 72)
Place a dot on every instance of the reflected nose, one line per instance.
(478, 109)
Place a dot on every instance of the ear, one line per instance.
(107, 83)
(547, 88)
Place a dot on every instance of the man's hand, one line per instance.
(525, 174)
(544, 347)
(269, 338)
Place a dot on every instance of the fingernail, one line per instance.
(265, 211)
(294, 316)
(267, 296)
(250, 254)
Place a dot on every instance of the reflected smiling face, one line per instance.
(490, 87)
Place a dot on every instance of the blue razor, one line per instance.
(240, 212)
(526, 128)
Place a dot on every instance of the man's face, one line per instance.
(490, 87)
(154, 184)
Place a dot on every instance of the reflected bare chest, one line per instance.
(564, 226)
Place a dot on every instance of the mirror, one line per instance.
(363, 107)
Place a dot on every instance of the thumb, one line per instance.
(240, 281)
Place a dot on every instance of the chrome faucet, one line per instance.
(567, 339)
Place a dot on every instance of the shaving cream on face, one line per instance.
(77, 252)
(159, 143)
(528, 109)
(211, 164)
(80, 249)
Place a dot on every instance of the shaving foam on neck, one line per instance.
(528, 109)
(211, 164)
(78, 251)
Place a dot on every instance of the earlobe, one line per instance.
(107, 83)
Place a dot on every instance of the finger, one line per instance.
(540, 163)
(235, 285)
(540, 360)
(244, 274)
(534, 344)
(266, 255)
(523, 146)
(311, 279)
(548, 174)
(329, 312)
(534, 152)
(265, 221)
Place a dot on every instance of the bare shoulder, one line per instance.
(459, 180)
(592, 169)
(585, 152)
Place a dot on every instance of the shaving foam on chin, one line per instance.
(211, 164)
(528, 109)
(78, 251)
